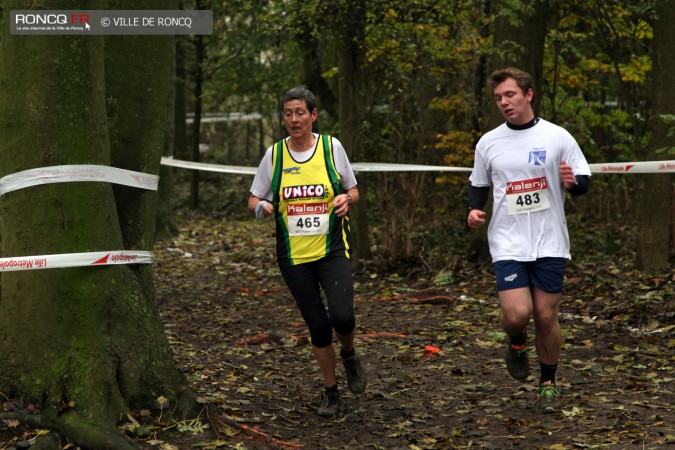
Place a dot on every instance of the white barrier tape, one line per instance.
(357, 167)
(391, 167)
(168, 161)
(630, 167)
(634, 167)
(75, 260)
(82, 172)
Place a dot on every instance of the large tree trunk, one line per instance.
(655, 206)
(89, 336)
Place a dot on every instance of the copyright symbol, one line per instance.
(105, 22)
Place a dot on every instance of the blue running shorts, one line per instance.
(545, 273)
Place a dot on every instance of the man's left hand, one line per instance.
(567, 175)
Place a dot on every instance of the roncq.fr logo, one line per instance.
(52, 19)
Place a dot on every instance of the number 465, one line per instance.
(308, 222)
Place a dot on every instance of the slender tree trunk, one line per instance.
(200, 48)
(655, 244)
(312, 70)
(349, 60)
(180, 131)
(166, 226)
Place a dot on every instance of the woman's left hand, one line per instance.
(341, 205)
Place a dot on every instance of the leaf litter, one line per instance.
(433, 352)
(431, 344)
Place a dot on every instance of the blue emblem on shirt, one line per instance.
(537, 157)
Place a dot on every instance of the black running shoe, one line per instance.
(356, 376)
(330, 403)
(549, 398)
(517, 362)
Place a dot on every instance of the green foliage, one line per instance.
(670, 120)
(597, 72)
(515, 10)
(420, 67)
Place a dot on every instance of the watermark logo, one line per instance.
(111, 22)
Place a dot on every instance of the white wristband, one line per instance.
(259, 214)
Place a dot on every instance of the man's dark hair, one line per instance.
(523, 79)
(300, 93)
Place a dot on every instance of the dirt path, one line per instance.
(433, 355)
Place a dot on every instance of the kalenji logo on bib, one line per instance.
(307, 191)
(303, 209)
(534, 184)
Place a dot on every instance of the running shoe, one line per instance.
(549, 398)
(330, 403)
(356, 376)
(517, 361)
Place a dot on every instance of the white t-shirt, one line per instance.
(262, 182)
(528, 216)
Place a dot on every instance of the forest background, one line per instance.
(400, 82)
(406, 83)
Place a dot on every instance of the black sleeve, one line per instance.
(582, 183)
(478, 197)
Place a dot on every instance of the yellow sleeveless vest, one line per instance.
(307, 227)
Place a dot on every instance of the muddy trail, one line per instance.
(433, 353)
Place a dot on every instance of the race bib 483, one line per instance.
(526, 196)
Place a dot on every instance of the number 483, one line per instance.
(528, 199)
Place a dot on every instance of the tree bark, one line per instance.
(200, 48)
(86, 336)
(655, 245)
(519, 38)
(350, 57)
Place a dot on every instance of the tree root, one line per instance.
(73, 426)
(51, 441)
(187, 405)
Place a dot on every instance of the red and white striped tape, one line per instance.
(113, 257)
(634, 167)
(65, 174)
(79, 172)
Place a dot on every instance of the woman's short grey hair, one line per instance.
(300, 93)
